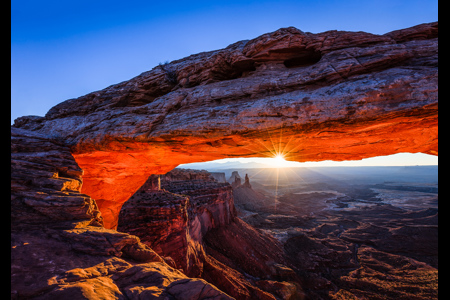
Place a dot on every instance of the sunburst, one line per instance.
(280, 149)
(279, 158)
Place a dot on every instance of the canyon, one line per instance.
(349, 236)
(199, 233)
(334, 95)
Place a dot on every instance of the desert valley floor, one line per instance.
(371, 231)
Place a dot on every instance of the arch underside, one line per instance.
(111, 177)
(328, 96)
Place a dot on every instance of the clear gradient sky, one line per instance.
(66, 49)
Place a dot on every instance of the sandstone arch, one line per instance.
(329, 96)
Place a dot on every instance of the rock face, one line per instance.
(246, 198)
(234, 176)
(334, 95)
(44, 175)
(219, 176)
(248, 264)
(192, 223)
(59, 248)
(348, 236)
(247, 182)
(173, 220)
(210, 206)
(159, 218)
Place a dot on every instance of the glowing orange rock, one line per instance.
(329, 96)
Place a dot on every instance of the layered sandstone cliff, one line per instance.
(46, 183)
(173, 220)
(191, 222)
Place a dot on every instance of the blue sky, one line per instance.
(66, 49)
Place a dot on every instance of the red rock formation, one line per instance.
(246, 198)
(159, 218)
(246, 251)
(173, 220)
(44, 175)
(234, 175)
(219, 176)
(397, 277)
(335, 95)
(59, 250)
(193, 221)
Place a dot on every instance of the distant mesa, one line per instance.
(219, 176)
(234, 176)
(235, 179)
(173, 218)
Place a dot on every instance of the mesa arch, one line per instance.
(334, 95)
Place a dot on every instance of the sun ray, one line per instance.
(276, 191)
(285, 146)
(260, 170)
(279, 143)
(294, 174)
(293, 149)
(273, 145)
(263, 145)
(268, 149)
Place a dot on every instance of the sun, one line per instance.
(279, 158)
(278, 161)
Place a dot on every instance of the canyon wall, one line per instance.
(59, 248)
(191, 222)
(173, 220)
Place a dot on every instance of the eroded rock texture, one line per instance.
(45, 176)
(173, 220)
(192, 222)
(334, 95)
(59, 248)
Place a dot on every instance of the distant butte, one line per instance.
(335, 95)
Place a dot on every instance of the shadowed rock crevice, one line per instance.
(191, 221)
(304, 60)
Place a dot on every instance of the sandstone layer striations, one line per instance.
(191, 222)
(59, 248)
(173, 220)
(45, 176)
(334, 95)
